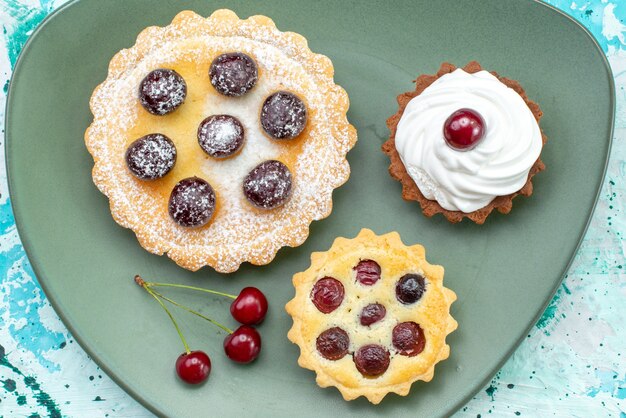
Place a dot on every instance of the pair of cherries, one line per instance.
(242, 345)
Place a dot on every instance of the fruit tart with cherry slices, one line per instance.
(371, 316)
(219, 140)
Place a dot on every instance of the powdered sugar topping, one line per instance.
(283, 115)
(162, 91)
(268, 185)
(220, 135)
(192, 202)
(233, 74)
(151, 157)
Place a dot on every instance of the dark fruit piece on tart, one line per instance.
(192, 202)
(162, 91)
(372, 360)
(410, 288)
(464, 129)
(408, 338)
(372, 313)
(151, 157)
(333, 343)
(367, 272)
(327, 294)
(233, 74)
(220, 136)
(283, 115)
(268, 185)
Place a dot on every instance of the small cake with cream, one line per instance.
(465, 142)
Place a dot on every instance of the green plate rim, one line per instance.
(132, 391)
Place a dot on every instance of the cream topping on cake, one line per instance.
(468, 180)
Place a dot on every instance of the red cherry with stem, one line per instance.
(193, 367)
(250, 306)
(243, 345)
(464, 129)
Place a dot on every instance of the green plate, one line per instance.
(504, 272)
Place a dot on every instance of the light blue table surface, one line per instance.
(573, 363)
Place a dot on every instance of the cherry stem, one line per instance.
(206, 318)
(143, 284)
(182, 286)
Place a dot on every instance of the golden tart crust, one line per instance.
(431, 312)
(237, 232)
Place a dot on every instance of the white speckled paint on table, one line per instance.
(571, 364)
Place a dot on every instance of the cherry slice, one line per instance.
(372, 360)
(327, 294)
(333, 343)
(410, 288)
(408, 338)
(367, 272)
(372, 313)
